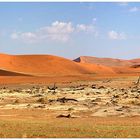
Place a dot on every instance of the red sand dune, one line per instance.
(39, 64)
(98, 69)
(10, 73)
(136, 61)
(103, 61)
(47, 65)
(118, 66)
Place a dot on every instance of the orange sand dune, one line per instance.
(47, 65)
(103, 61)
(40, 64)
(135, 61)
(111, 65)
(99, 69)
(127, 70)
(49, 69)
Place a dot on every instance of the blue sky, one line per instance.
(71, 29)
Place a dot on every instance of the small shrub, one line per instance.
(42, 100)
(70, 109)
(16, 101)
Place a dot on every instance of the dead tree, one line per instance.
(53, 88)
(64, 116)
(64, 100)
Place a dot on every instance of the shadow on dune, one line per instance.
(10, 73)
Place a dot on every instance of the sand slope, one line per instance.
(98, 69)
(39, 64)
(103, 61)
(118, 66)
(47, 65)
(10, 73)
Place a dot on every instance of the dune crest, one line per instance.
(103, 61)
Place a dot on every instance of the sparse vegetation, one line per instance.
(74, 106)
(53, 88)
(16, 101)
(70, 109)
(43, 100)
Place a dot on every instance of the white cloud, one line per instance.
(88, 29)
(57, 31)
(60, 27)
(26, 37)
(116, 36)
(134, 9)
(85, 28)
(29, 37)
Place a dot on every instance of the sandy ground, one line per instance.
(117, 96)
(106, 100)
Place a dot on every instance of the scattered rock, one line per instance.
(93, 86)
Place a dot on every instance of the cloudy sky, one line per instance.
(71, 29)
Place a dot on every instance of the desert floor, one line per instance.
(80, 106)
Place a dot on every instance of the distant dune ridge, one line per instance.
(104, 61)
(46, 65)
(116, 65)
